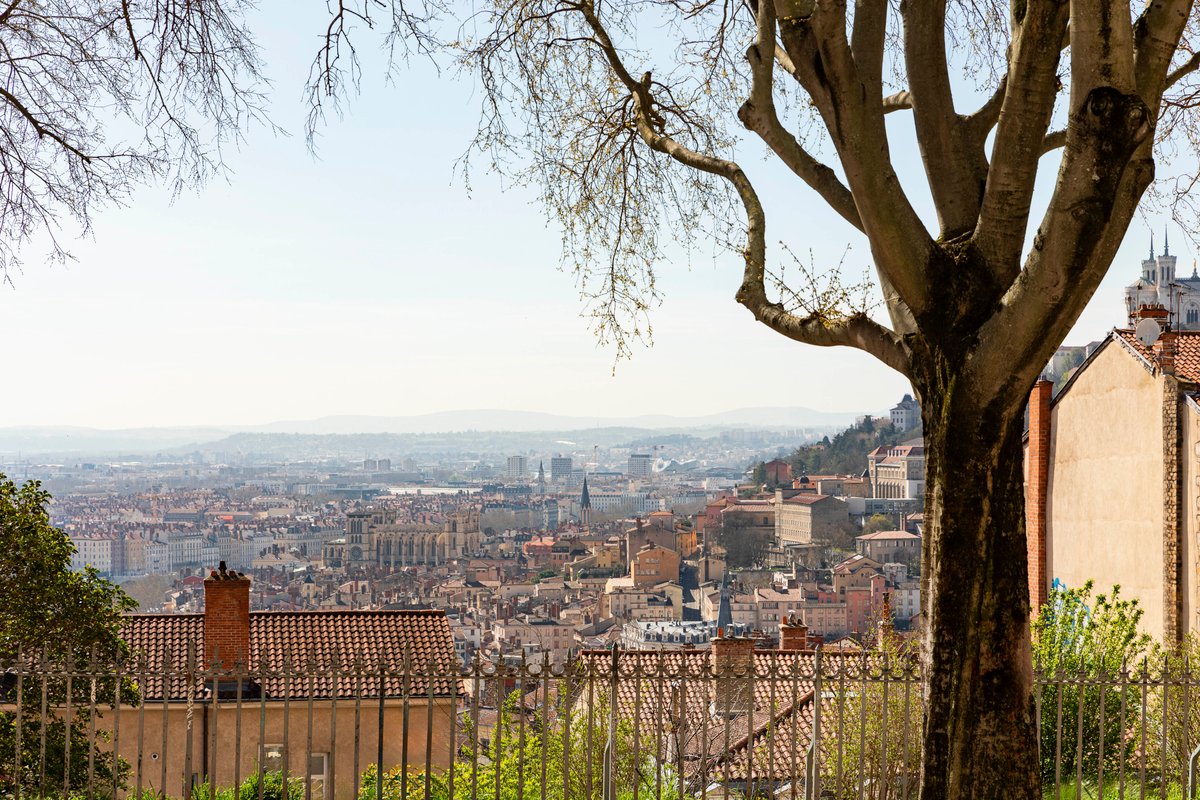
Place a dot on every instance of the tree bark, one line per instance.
(979, 729)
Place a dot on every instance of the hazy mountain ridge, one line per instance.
(31, 440)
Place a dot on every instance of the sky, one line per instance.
(367, 279)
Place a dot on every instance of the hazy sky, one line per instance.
(367, 280)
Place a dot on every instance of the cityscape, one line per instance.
(577, 400)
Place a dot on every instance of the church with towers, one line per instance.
(1159, 287)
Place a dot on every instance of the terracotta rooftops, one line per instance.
(1187, 352)
(284, 644)
(806, 499)
(887, 536)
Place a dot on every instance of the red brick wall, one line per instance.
(793, 636)
(226, 619)
(1037, 476)
(733, 664)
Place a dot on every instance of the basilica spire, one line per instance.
(1151, 245)
(1166, 242)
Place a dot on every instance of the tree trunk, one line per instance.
(980, 737)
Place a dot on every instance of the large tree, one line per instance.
(625, 113)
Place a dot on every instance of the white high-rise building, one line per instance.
(518, 466)
(560, 468)
(641, 465)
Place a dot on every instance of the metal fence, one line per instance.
(610, 725)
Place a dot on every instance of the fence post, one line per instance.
(608, 776)
(812, 789)
(1191, 787)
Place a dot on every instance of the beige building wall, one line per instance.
(141, 731)
(1189, 510)
(1105, 493)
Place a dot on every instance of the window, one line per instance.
(318, 774)
(272, 758)
(1193, 315)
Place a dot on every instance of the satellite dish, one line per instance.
(1147, 332)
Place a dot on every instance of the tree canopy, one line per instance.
(100, 96)
(67, 618)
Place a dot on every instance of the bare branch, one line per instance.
(815, 41)
(983, 120)
(897, 101)
(954, 167)
(1183, 70)
(100, 96)
(1156, 39)
(1028, 102)
(1054, 140)
(758, 114)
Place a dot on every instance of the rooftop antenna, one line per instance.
(1147, 332)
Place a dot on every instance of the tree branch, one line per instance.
(897, 101)
(813, 33)
(1185, 69)
(1156, 37)
(1107, 166)
(1025, 110)
(758, 114)
(1054, 140)
(41, 128)
(857, 331)
(983, 120)
(8, 11)
(953, 168)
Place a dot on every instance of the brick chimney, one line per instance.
(226, 618)
(793, 634)
(1164, 351)
(1037, 480)
(733, 666)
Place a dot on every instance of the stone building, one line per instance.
(1160, 286)
(1112, 469)
(906, 414)
(652, 565)
(804, 519)
(375, 537)
(897, 472)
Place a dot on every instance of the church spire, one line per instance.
(585, 505)
(1151, 245)
(1166, 242)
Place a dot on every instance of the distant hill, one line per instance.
(502, 420)
(79, 440)
(846, 453)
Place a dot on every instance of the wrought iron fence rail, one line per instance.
(609, 725)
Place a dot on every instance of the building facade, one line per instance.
(906, 414)
(1160, 287)
(1112, 468)
(897, 472)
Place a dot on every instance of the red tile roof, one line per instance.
(806, 499)
(1187, 352)
(768, 743)
(286, 647)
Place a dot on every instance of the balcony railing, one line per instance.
(608, 725)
